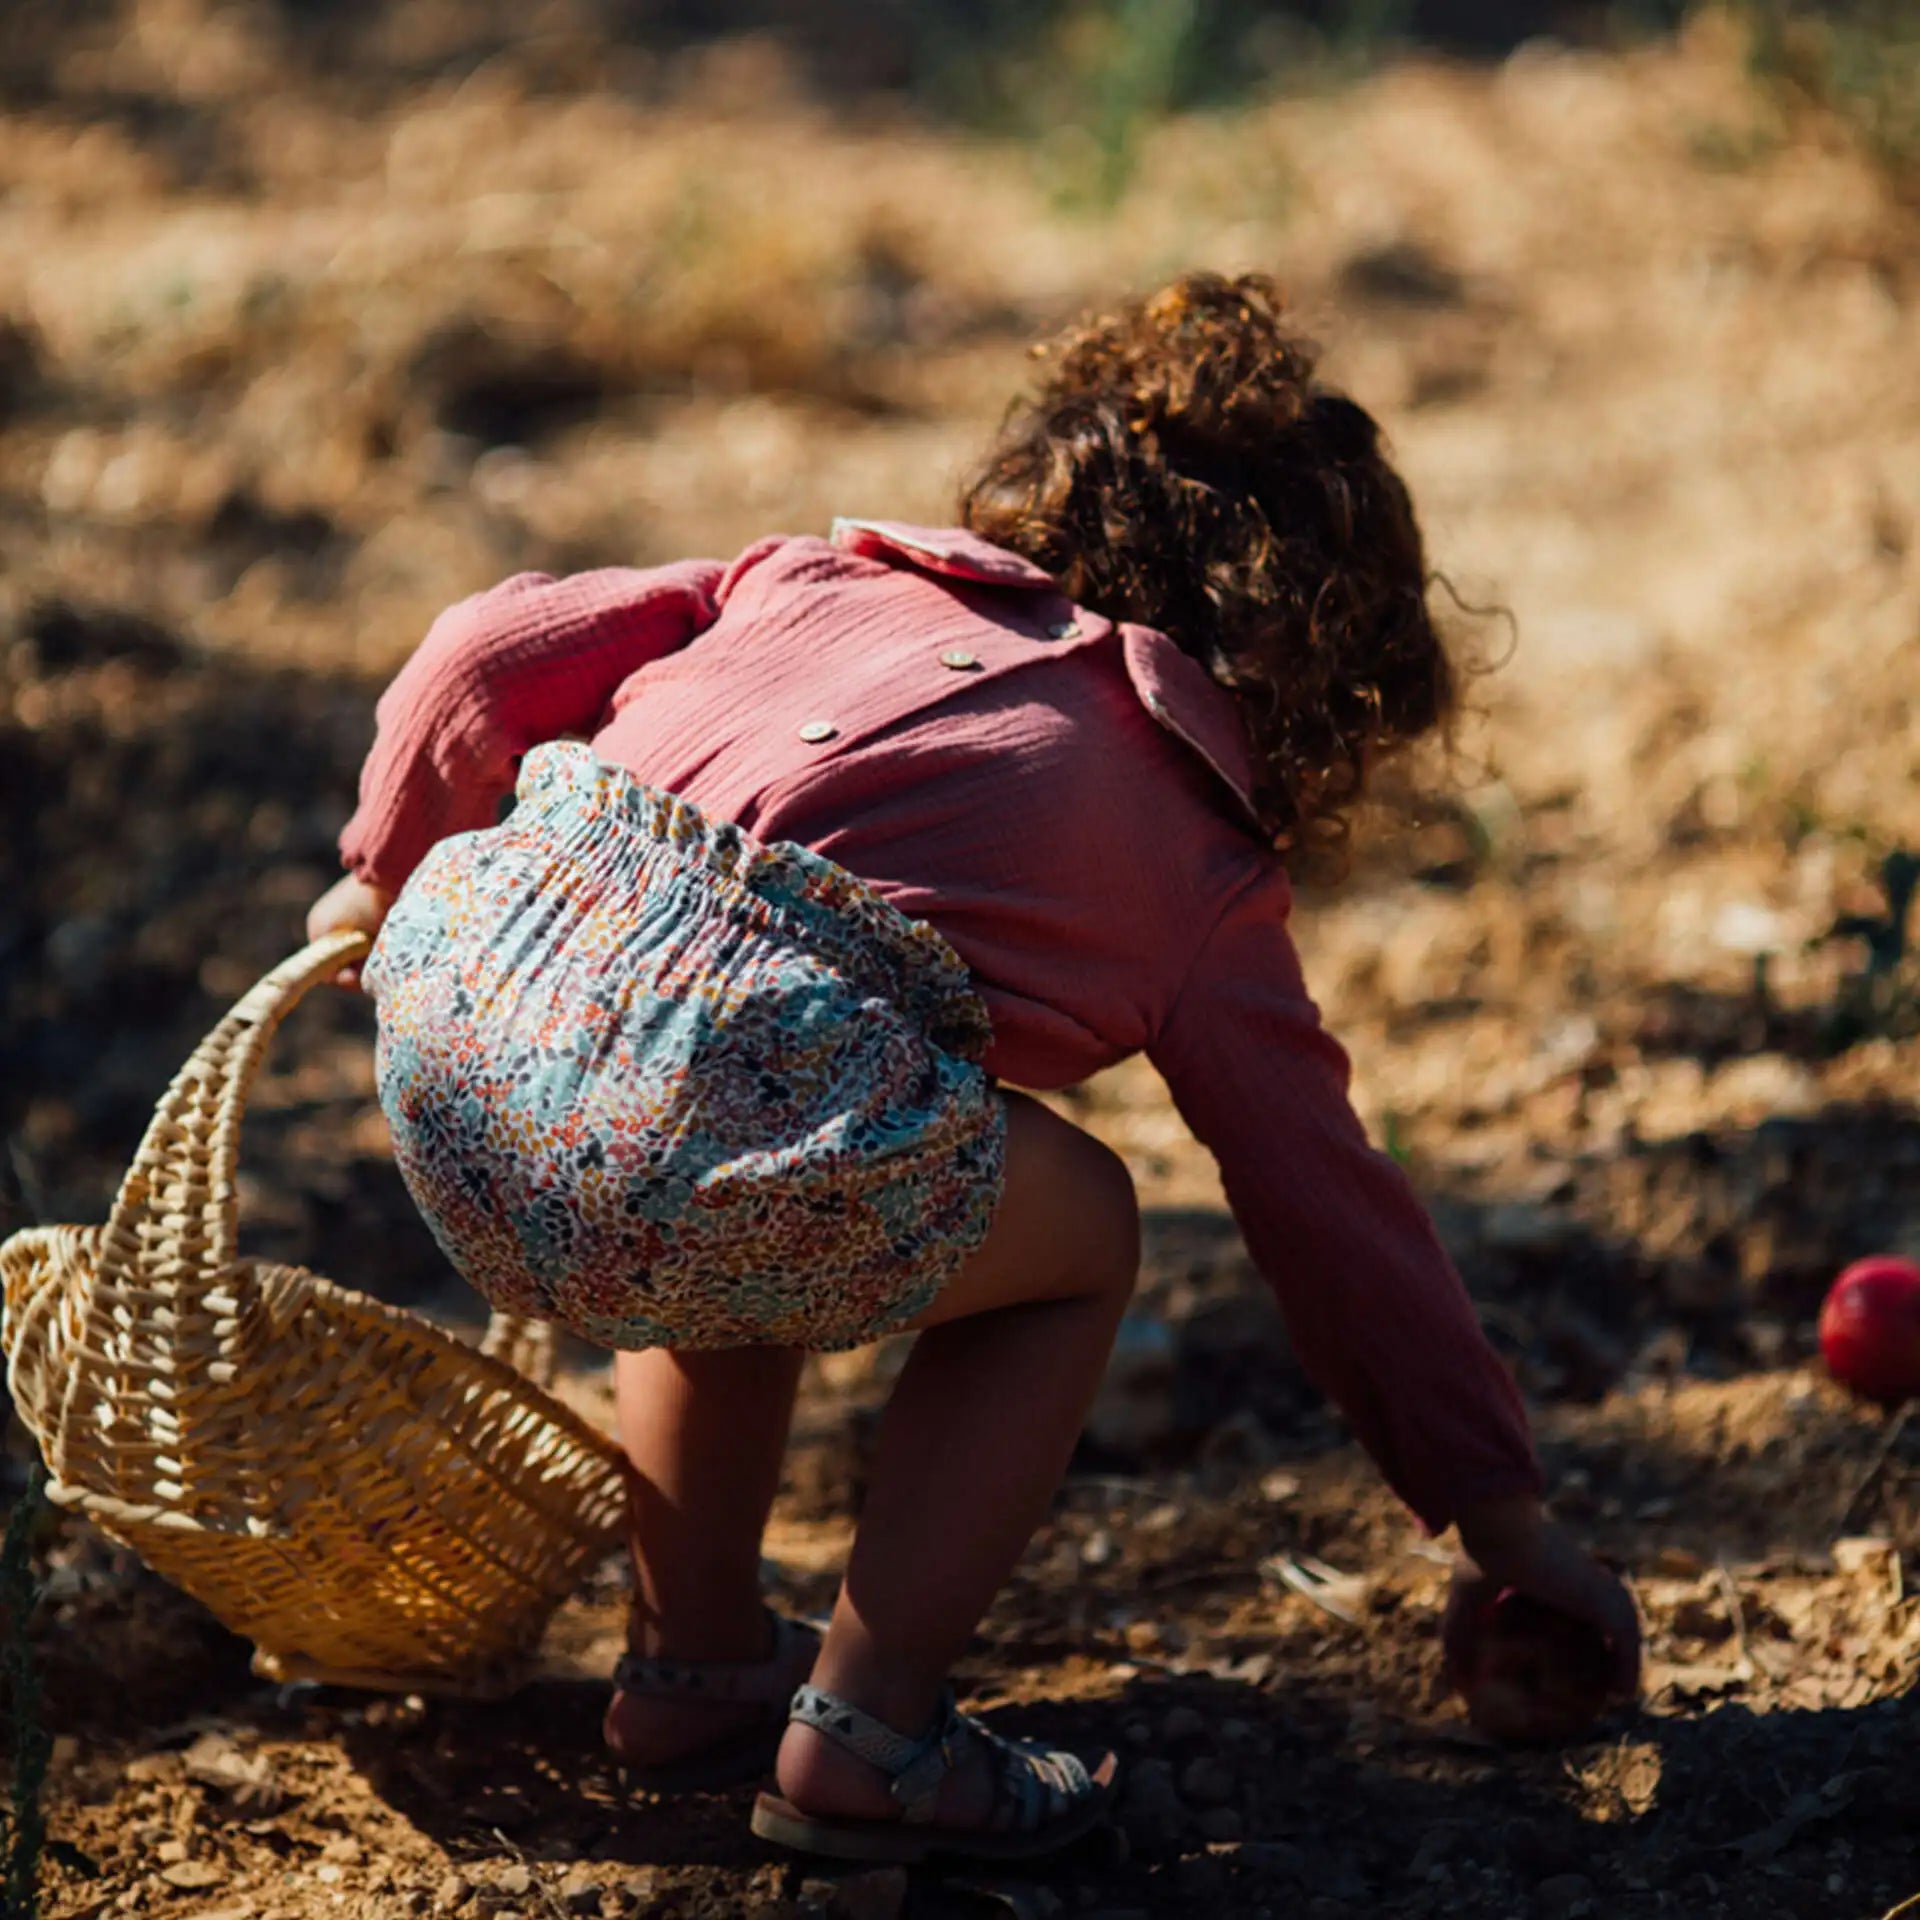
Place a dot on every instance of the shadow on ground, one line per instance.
(1316, 1786)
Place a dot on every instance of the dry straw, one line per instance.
(369, 1500)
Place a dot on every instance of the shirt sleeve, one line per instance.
(1376, 1311)
(527, 661)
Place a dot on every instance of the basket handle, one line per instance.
(175, 1219)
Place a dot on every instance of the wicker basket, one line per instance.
(371, 1501)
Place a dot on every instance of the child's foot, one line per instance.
(832, 1782)
(690, 1726)
(856, 1789)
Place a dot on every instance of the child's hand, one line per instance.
(349, 902)
(1511, 1543)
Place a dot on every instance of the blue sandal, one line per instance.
(1043, 1798)
(747, 1754)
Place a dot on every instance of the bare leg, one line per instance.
(971, 1450)
(705, 1432)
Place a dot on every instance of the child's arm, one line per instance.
(1377, 1313)
(527, 661)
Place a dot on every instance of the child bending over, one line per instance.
(708, 1051)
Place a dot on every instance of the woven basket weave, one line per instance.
(369, 1500)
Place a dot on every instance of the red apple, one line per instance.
(1870, 1328)
(1532, 1674)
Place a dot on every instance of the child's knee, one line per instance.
(1070, 1219)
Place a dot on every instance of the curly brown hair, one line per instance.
(1179, 466)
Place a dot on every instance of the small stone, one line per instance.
(330, 1873)
(1199, 1876)
(1220, 1823)
(878, 1895)
(1098, 1549)
(1564, 1895)
(1182, 1723)
(344, 1850)
(172, 1851)
(641, 1891)
(1274, 1859)
(1207, 1782)
(1678, 1563)
(1150, 1809)
(1863, 1554)
(452, 1893)
(192, 1876)
(1256, 1669)
(516, 1879)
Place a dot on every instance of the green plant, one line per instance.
(1883, 997)
(1134, 82)
(1088, 86)
(1860, 59)
(1088, 81)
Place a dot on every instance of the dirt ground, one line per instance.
(301, 338)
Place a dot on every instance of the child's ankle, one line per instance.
(735, 1633)
(906, 1702)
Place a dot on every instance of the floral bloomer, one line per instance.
(668, 1086)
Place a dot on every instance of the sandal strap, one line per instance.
(915, 1768)
(763, 1682)
(1033, 1785)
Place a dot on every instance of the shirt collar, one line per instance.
(1173, 687)
(1179, 692)
(952, 551)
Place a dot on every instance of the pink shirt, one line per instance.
(1066, 800)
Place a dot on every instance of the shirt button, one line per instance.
(959, 659)
(1062, 630)
(814, 731)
